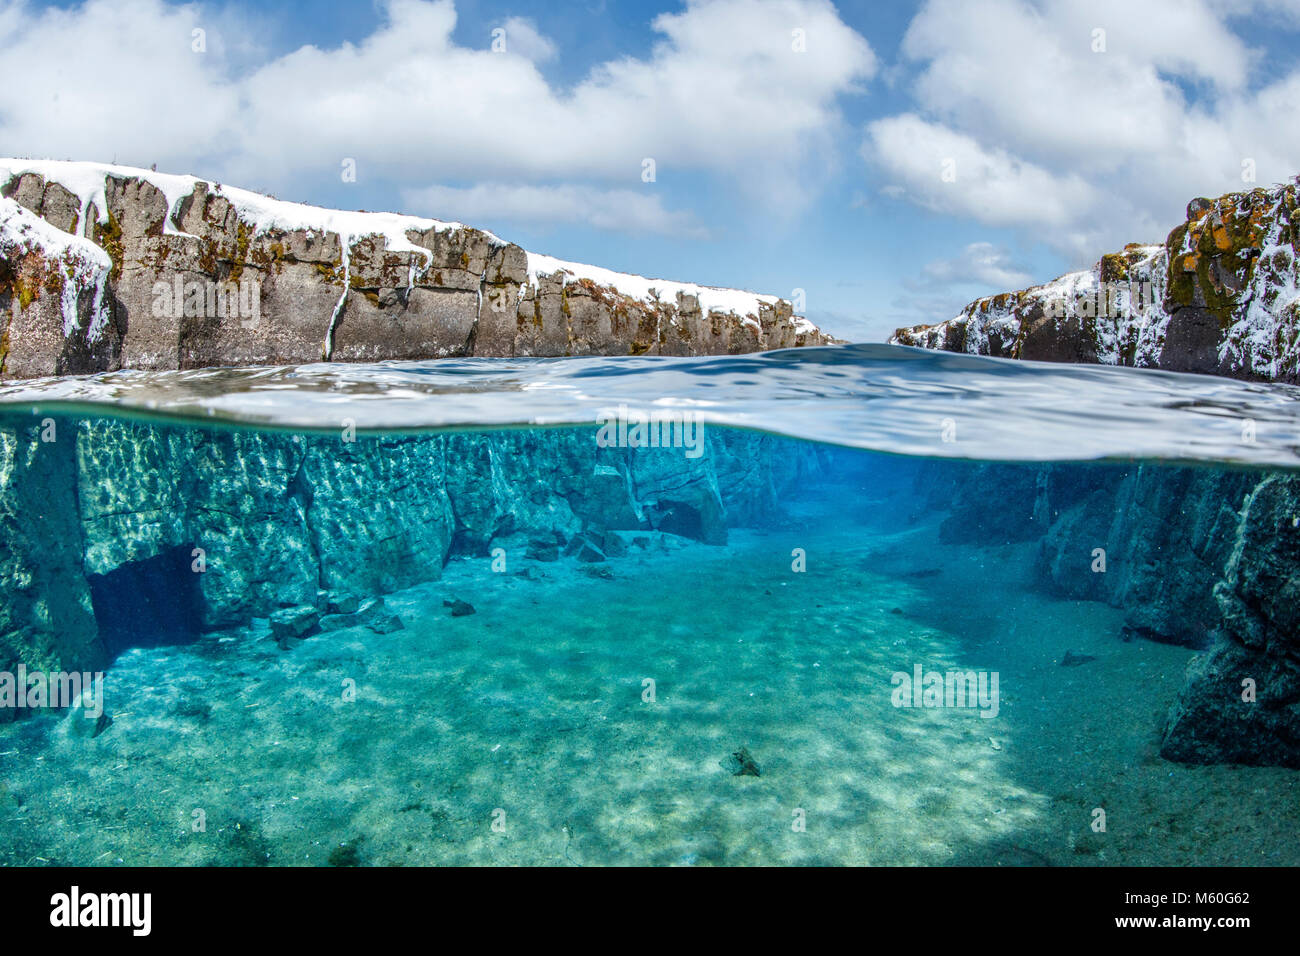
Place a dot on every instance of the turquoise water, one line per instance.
(429, 614)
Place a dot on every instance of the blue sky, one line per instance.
(911, 157)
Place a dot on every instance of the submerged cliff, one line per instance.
(1204, 558)
(114, 530)
(213, 527)
(107, 267)
(1221, 296)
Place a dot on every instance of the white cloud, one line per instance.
(945, 286)
(985, 184)
(721, 92)
(116, 79)
(1086, 150)
(613, 210)
(1028, 73)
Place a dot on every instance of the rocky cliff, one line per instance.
(1221, 296)
(107, 267)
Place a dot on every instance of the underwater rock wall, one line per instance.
(45, 611)
(285, 520)
(1259, 600)
(1205, 558)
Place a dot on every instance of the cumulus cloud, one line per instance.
(118, 79)
(1080, 81)
(612, 210)
(1088, 124)
(950, 172)
(722, 91)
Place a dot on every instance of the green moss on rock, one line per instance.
(108, 236)
(1114, 268)
(243, 237)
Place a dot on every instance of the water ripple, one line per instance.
(880, 397)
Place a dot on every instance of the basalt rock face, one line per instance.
(200, 275)
(235, 524)
(1221, 296)
(1203, 558)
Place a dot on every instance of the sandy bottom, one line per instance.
(522, 734)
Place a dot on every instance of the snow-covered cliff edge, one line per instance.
(1221, 296)
(106, 267)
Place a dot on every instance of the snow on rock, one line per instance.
(711, 299)
(264, 214)
(40, 265)
(1220, 296)
(1265, 334)
(1109, 315)
(88, 182)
